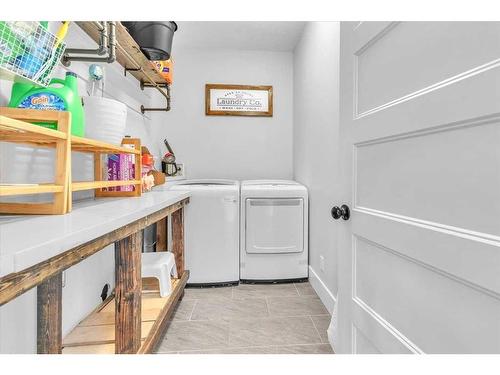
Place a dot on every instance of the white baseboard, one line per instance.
(325, 295)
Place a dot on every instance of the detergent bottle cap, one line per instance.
(71, 74)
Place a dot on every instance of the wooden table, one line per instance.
(121, 227)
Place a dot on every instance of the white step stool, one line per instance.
(160, 265)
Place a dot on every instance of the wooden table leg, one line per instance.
(49, 319)
(161, 234)
(128, 294)
(178, 239)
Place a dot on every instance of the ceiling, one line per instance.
(244, 35)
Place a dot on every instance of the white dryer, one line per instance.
(273, 231)
(211, 230)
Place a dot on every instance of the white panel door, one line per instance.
(419, 259)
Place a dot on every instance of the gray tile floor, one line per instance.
(249, 319)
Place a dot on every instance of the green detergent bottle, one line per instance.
(60, 95)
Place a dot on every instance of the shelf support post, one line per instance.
(178, 239)
(62, 201)
(49, 315)
(128, 294)
(162, 234)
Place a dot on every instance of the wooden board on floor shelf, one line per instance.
(95, 334)
(98, 334)
(90, 349)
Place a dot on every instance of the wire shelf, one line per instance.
(29, 51)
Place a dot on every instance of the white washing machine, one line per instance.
(273, 231)
(211, 230)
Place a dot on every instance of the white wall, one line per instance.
(229, 146)
(316, 121)
(22, 164)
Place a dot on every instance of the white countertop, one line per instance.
(27, 240)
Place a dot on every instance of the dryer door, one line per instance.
(274, 225)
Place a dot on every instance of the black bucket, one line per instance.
(154, 37)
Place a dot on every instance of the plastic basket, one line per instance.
(28, 51)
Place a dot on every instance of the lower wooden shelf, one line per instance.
(87, 185)
(23, 189)
(96, 333)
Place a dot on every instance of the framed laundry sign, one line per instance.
(238, 100)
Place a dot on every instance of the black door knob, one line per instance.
(341, 212)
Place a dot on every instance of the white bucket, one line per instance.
(105, 119)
